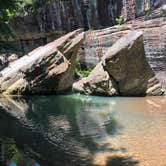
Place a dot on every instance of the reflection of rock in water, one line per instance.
(51, 147)
(95, 119)
(62, 129)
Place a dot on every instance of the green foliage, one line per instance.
(120, 20)
(79, 72)
(164, 15)
(147, 14)
(30, 6)
(8, 9)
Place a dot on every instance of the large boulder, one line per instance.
(124, 70)
(45, 70)
(126, 62)
(97, 42)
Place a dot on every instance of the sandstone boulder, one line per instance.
(123, 71)
(47, 69)
(126, 62)
(97, 83)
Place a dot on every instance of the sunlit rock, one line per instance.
(123, 71)
(98, 82)
(47, 69)
(126, 62)
(164, 8)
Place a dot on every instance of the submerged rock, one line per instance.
(45, 70)
(125, 69)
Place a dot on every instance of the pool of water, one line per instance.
(71, 130)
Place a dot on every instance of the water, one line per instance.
(81, 130)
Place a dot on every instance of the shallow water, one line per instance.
(81, 130)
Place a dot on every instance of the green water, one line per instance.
(81, 130)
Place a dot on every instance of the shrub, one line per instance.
(80, 72)
(120, 20)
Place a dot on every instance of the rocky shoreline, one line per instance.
(49, 69)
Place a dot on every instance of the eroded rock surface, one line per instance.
(47, 69)
(97, 42)
(126, 62)
(126, 67)
(98, 82)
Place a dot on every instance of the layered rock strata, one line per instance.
(97, 43)
(123, 71)
(47, 69)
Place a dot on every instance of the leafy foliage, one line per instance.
(79, 72)
(8, 8)
(120, 20)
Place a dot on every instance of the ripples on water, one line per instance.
(81, 130)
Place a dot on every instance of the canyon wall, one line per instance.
(97, 43)
(60, 17)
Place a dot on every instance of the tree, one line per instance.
(8, 8)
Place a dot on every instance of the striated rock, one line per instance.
(98, 82)
(59, 17)
(47, 69)
(126, 62)
(123, 71)
(97, 42)
(65, 16)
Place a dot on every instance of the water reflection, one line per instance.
(80, 130)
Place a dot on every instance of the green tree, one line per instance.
(8, 8)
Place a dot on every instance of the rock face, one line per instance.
(66, 16)
(126, 62)
(124, 70)
(136, 8)
(3, 61)
(97, 83)
(97, 43)
(47, 69)
(59, 17)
